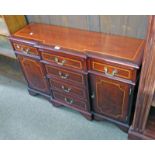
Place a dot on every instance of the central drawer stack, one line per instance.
(67, 74)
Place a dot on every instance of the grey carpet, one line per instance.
(26, 117)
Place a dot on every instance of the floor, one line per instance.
(26, 117)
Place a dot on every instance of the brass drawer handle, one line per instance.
(25, 51)
(113, 73)
(63, 76)
(67, 90)
(69, 101)
(18, 47)
(58, 62)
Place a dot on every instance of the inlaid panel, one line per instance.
(110, 97)
(34, 74)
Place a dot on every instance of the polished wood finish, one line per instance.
(66, 61)
(68, 89)
(34, 74)
(113, 46)
(108, 68)
(90, 72)
(110, 97)
(72, 101)
(86, 114)
(25, 49)
(65, 75)
(143, 123)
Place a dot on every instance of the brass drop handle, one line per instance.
(26, 51)
(18, 47)
(63, 76)
(67, 90)
(113, 73)
(58, 62)
(69, 101)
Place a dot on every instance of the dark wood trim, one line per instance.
(113, 78)
(123, 126)
(66, 56)
(133, 135)
(20, 40)
(50, 48)
(146, 87)
(86, 114)
(34, 92)
(113, 60)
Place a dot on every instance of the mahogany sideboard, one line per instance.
(93, 73)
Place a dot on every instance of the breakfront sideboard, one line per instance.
(93, 73)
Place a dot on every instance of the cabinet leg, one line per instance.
(87, 116)
(56, 104)
(32, 93)
(123, 128)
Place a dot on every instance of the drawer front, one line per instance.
(69, 100)
(68, 89)
(25, 49)
(63, 61)
(65, 75)
(112, 70)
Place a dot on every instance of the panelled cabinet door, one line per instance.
(34, 74)
(110, 97)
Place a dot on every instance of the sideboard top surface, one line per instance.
(121, 47)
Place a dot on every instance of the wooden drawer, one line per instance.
(66, 99)
(68, 89)
(112, 70)
(64, 60)
(65, 75)
(25, 49)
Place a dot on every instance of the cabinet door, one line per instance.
(110, 97)
(34, 74)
